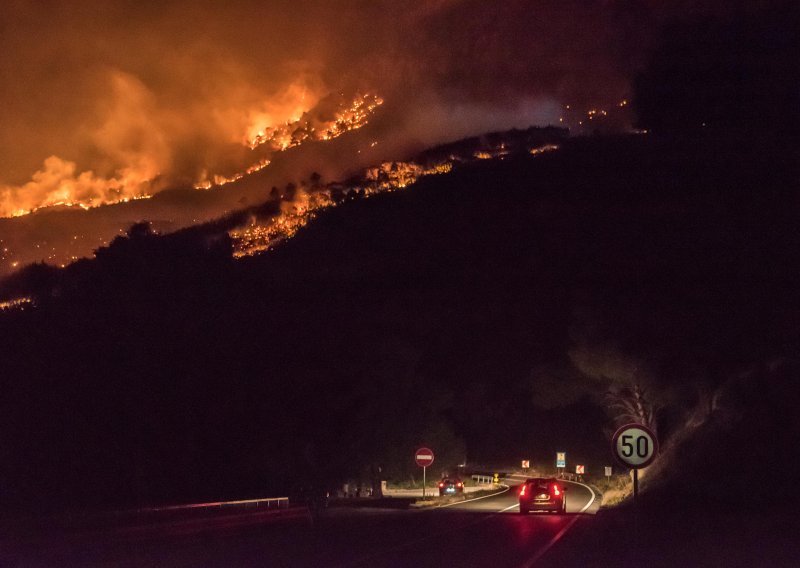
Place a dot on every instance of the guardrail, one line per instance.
(277, 502)
(483, 478)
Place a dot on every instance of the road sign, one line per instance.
(526, 464)
(424, 457)
(496, 478)
(579, 469)
(561, 459)
(608, 471)
(635, 445)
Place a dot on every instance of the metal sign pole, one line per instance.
(635, 446)
(424, 469)
(636, 539)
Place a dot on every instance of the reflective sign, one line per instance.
(423, 457)
(561, 459)
(635, 445)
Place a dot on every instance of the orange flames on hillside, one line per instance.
(60, 183)
(15, 304)
(296, 131)
(262, 235)
(307, 128)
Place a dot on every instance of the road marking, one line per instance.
(401, 546)
(476, 498)
(542, 551)
(589, 504)
(508, 508)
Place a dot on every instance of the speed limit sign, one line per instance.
(635, 445)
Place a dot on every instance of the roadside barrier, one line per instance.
(483, 478)
(276, 502)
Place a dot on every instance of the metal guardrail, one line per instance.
(483, 478)
(277, 502)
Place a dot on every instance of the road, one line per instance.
(486, 531)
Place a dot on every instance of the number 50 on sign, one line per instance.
(635, 445)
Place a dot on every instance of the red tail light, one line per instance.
(556, 490)
(441, 485)
(459, 484)
(522, 491)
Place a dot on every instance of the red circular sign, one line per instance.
(423, 457)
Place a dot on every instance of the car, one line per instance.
(451, 486)
(542, 494)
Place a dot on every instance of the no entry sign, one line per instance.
(424, 457)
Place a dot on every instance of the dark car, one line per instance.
(542, 494)
(451, 486)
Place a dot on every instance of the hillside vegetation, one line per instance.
(486, 313)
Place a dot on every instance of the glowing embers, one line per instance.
(15, 304)
(347, 117)
(543, 149)
(218, 180)
(308, 128)
(262, 235)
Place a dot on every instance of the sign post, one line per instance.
(635, 446)
(424, 458)
(561, 460)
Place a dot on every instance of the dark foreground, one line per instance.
(482, 532)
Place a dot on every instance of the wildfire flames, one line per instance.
(59, 183)
(262, 235)
(299, 205)
(15, 304)
(296, 132)
(278, 138)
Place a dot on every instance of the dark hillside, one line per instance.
(483, 312)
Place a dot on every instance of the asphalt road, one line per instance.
(487, 531)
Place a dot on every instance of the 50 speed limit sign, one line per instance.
(635, 445)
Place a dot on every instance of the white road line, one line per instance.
(508, 508)
(589, 504)
(400, 546)
(542, 551)
(476, 498)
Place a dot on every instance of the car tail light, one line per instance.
(459, 484)
(522, 491)
(441, 485)
(556, 490)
